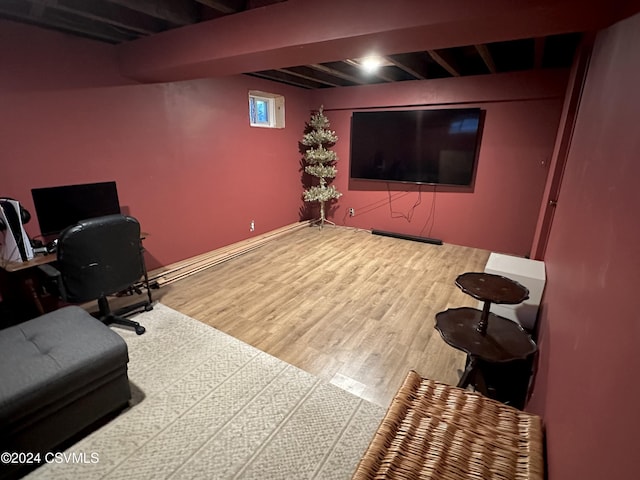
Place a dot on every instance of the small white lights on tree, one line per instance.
(320, 162)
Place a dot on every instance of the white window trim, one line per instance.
(275, 107)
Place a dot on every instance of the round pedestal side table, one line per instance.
(481, 334)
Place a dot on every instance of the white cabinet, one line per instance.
(531, 274)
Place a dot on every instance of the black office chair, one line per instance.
(99, 257)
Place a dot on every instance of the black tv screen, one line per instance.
(60, 207)
(416, 146)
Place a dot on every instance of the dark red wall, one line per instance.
(185, 160)
(189, 166)
(191, 169)
(586, 387)
(37, 59)
(499, 213)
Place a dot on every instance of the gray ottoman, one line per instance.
(59, 374)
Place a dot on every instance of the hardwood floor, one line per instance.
(345, 305)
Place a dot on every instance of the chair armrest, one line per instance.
(54, 277)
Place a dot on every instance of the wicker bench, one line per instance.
(435, 431)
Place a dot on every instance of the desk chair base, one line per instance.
(108, 317)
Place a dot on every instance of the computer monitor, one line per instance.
(60, 207)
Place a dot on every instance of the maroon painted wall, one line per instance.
(38, 59)
(499, 213)
(185, 160)
(191, 169)
(586, 387)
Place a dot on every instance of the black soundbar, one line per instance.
(415, 238)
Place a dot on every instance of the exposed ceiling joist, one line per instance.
(37, 10)
(228, 6)
(337, 73)
(403, 66)
(381, 75)
(307, 77)
(282, 78)
(447, 63)
(119, 21)
(23, 11)
(485, 54)
(105, 13)
(376, 72)
(176, 12)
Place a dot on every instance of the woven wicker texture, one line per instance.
(435, 431)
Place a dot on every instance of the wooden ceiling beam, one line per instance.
(403, 66)
(104, 13)
(445, 61)
(37, 10)
(271, 75)
(176, 12)
(22, 11)
(486, 56)
(307, 77)
(224, 6)
(282, 34)
(378, 72)
(337, 73)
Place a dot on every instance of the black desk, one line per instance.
(34, 262)
(20, 290)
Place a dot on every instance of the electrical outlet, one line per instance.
(352, 212)
(252, 226)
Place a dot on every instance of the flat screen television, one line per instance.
(60, 207)
(438, 147)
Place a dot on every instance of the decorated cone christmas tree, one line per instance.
(320, 162)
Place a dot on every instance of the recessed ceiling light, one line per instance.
(371, 63)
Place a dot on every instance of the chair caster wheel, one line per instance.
(148, 308)
(140, 330)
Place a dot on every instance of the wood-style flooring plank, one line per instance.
(343, 304)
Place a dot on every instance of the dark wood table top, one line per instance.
(503, 340)
(34, 262)
(488, 287)
(39, 260)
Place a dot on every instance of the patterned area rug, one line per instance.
(208, 406)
